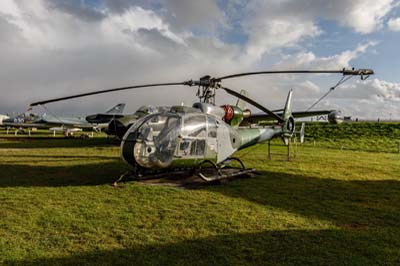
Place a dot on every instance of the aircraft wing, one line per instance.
(256, 118)
(311, 113)
(51, 121)
(102, 118)
(24, 125)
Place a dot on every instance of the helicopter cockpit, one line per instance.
(155, 140)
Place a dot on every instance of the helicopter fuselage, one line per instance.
(186, 137)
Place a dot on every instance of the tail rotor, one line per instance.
(288, 124)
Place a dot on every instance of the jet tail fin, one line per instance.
(240, 103)
(118, 109)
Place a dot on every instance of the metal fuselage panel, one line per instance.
(186, 139)
(228, 141)
(170, 140)
(251, 136)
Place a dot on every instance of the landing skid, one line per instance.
(222, 170)
(208, 172)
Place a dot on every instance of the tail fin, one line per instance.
(240, 103)
(288, 127)
(118, 109)
(287, 112)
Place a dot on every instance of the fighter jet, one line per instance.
(67, 125)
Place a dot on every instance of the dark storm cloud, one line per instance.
(77, 9)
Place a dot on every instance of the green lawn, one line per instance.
(365, 136)
(325, 207)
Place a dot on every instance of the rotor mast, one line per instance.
(206, 90)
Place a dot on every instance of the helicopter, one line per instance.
(204, 135)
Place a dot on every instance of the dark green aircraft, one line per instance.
(190, 137)
(67, 125)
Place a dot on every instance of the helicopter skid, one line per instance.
(222, 170)
(186, 178)
(225, 173)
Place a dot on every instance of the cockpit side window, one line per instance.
(194, 130)
(194, 126)
(212, 127)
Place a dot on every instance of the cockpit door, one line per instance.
(212, 144)
(193, 142)
(225, 148)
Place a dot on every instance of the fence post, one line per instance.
(269, 150)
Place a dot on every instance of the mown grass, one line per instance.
(366, 136)
(324, 207)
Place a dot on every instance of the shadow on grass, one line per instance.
(52, 157)
(14, 175)
(353, 204)
(37, 143)
(349, 204)
(291, 247)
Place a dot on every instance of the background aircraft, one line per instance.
(101, 118)
(24, 120)
(67, 125)
(3, 117)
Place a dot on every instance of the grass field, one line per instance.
(365, 136)
(328, 206)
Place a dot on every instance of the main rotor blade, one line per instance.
(345, 72)
(105, 91)
(254, 103)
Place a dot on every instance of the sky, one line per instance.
(52, 48)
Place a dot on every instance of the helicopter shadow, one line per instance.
(353, 204)
(37, 143)
(288, 247)
(88, 174)
(52, 157)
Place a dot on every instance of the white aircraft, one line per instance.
(3, 117)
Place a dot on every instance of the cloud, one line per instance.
(394, 24)
(371, 99)
(266, 35)
(10, 32)
(278, 24)
(374, 89)
(77, 9)
(204, 15)
(54, 48)
(364, 16)
(53, 55)
(308, 60)
(181, 15)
